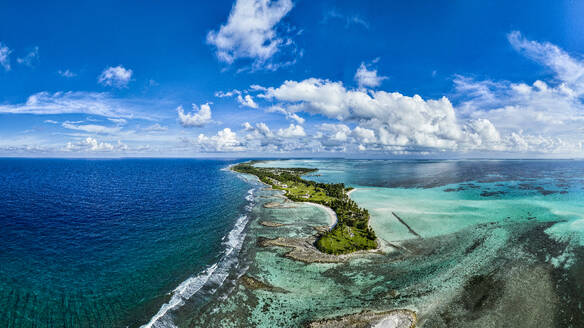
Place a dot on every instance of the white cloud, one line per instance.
(91, 128)
(244, 100)
(334, 137)
(156, 128)
(247, 101)
(51, 121)
(250, 31)
(92, 144)
(66, 73)
(264, 129)
(117, 77)
(260, 131)
(292, 131)
(223, 94)
(247, 126)
(400, 120)
(368, 78)
(94, 103)
(118, 121)
(31, 59)
(5, 56)
(491, 116)
(336, 132)
(224, 141)
(363, 135)
(568, 69)
(312, 95)
(543, 117)
(289, 115)
(199, 117)
(482, 134)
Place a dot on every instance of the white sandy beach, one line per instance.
(331, 213)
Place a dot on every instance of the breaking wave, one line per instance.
(212, 277)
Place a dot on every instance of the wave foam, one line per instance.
(212, 277)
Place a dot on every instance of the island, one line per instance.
(349, 234)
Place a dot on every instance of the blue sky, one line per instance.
(292, 78)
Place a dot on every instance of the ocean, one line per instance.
(104, 243)
(165, 243)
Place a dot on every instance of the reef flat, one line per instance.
(461, 245)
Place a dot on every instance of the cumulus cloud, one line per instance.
(336, 132)
(199, 117)
(224, 141)
(250, 31)
(400, 120)
(364, 136)
(334, 137)
(117, 77)
(92, 144)
(247, 126)
(247, 101)
(368, 78)
(289, 115)
(541, 117)
(5, 56)
(242, 98)
(31, 59)
(223, 94)
(256, 137)
(260, 130)
(292, 131)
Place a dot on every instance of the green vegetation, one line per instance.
(352, 231)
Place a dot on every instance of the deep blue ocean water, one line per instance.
(101, 243)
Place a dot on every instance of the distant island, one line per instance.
(351, 232)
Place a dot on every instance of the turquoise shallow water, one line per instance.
(440, 197)
(164, 243)
(501, 245)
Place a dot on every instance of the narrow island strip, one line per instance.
(350, 233)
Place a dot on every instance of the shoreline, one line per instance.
(332, 215)
(334, 199)
(351, 191)
(304, 250)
